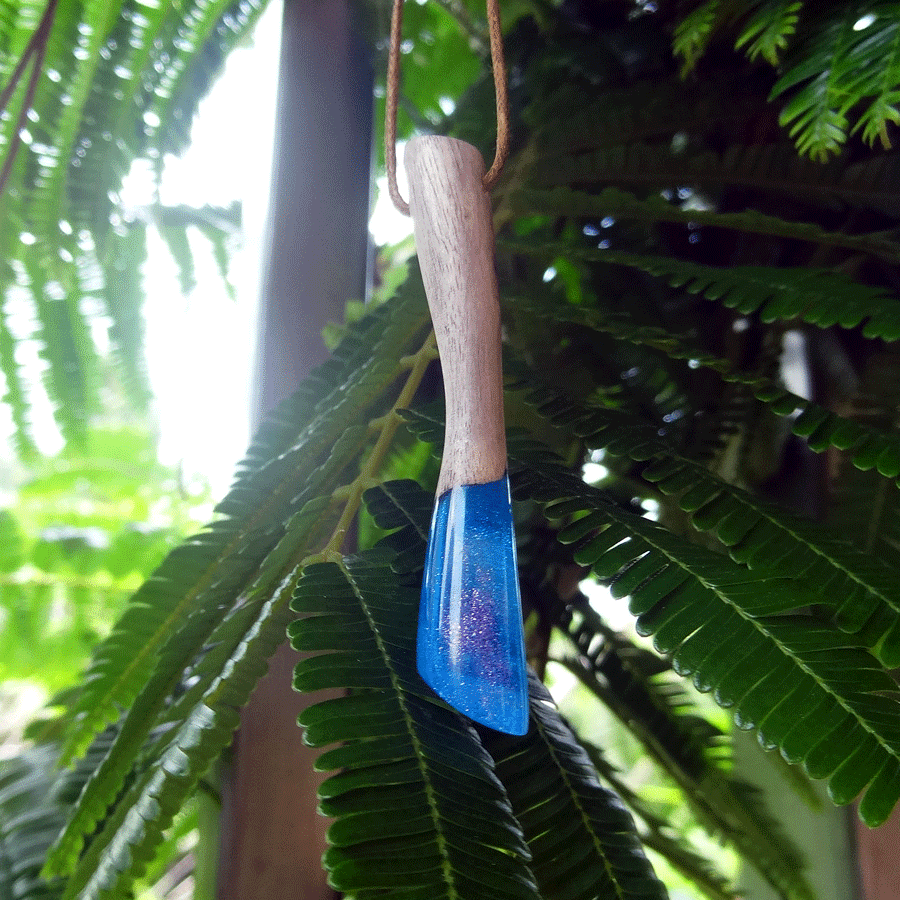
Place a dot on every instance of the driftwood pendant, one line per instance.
(470, 646)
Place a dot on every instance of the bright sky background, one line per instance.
(200, 349)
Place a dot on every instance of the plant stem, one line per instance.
(418, 363)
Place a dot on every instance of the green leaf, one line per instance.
(613, 202)
(818, 296)
(582, 839)
(122, 81)
(15, 395)
(789, 676)
(12, 549)
(418, 808)
(767, 170)
(766, 34)
(30, 818)
(772, 669)
(851, 56)
(868, 447)
(693, 33)
(65, 345)
(854, 586)
(123, 297)
(176, 239)
(683, 743)
(658, 835)
(203, 727)
(301, 450)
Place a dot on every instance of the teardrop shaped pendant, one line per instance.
(470, 644)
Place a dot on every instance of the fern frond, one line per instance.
(656, 834)
(650, 110)
(15, 395)
(767, 32)
(123, 297)
(123, 82)
(134, 824)
(791, 677)
(843, 63)
(201, 657)
(882, 110)
(866, 446)
(289, 462)
(770, 170)
(693, 33)
(727, 807)
(217, 224)
(818, 296)
(176, 240)
(404, 508)
(562, 201)
(865, 504)
(741, 637)
(859, 590)
(220, 244)
(583, 840)
(65, 345)
(227, 629)
(30, 818)
(416, 785)
(638, 689)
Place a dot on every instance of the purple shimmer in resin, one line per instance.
(470, 647)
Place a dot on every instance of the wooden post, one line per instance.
(272, 836)
(875, 849)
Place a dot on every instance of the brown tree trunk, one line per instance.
(271, 836)
(876, 850)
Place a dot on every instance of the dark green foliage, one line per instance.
(288, 465)
(840, 62)
(642, 693)
(399, 824)
(212, 615)
(550, 776)
(30, 818)
(660, 239)
(204, 718)
(696, 607)
(858, 591)
(748, 640)
(412, 743)
(775, 294)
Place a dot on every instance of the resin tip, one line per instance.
(470, 647)
(484, 700)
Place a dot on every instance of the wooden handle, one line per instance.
(451, 214)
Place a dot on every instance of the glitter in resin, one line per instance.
(470, 641)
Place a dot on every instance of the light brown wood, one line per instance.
(451, 214)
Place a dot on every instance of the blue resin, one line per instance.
(470, 647)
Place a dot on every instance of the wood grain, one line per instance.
(451, 214)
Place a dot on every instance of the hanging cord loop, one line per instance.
(498, 65)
